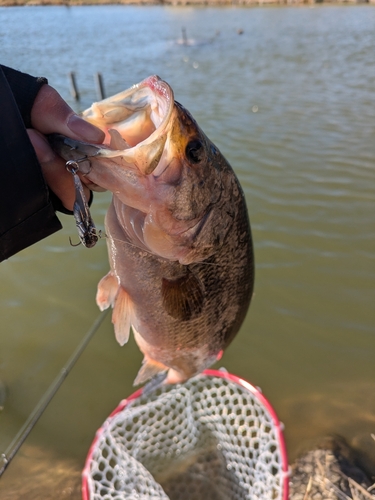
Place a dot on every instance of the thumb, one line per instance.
(55, 174)
(51, 114)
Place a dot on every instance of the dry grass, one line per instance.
(325, 474)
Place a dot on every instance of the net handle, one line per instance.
(210, 373)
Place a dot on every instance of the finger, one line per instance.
(51, 114)
(59, 180)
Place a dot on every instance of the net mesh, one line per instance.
(207, 439)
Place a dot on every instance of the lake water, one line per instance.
(291, 104)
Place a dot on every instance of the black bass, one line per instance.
(179, 240)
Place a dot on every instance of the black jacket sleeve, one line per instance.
(26, 212)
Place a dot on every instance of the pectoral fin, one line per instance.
(107, 290)
(183, 297)
(122, 316)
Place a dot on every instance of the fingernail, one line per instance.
(84, 130)
(43, 150)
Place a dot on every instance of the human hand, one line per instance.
(51, 114)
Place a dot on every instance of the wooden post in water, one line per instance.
(99, 86)
(73, 86)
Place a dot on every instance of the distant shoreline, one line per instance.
(203, 3)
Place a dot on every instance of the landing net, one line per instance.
(215, 437)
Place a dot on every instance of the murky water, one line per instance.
(290, 102)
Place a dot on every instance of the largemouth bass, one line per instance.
(179, 240)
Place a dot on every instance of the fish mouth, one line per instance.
(135, 123)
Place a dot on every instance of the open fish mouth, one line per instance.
(136, 113)
(135, 123)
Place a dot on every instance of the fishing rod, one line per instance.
(38, 411)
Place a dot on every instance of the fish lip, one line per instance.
(158, 86)
(164, 90)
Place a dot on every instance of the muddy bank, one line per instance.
(328, 471)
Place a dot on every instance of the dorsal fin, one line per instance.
(122, 316)
(183, 297)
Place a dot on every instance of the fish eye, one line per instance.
(194, 151)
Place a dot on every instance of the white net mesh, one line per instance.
(207, 439)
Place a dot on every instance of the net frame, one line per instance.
(277, 428)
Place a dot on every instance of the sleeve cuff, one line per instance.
(25, 89)
(31, 230)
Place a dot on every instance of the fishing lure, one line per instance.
(87, 232)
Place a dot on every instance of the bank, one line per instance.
(9, 3)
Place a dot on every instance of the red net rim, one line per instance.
(209, 373)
